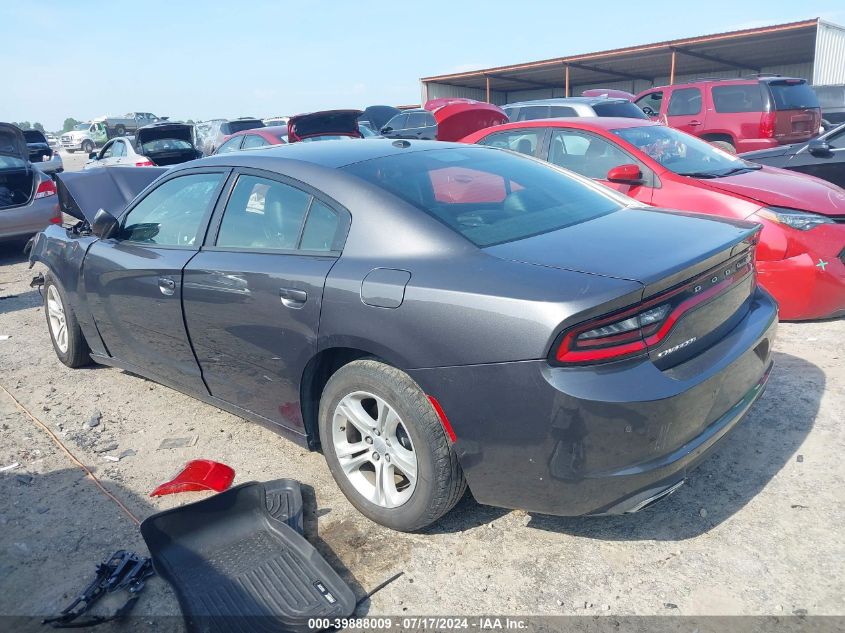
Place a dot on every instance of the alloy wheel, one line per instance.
(374, 449)
(56, 314)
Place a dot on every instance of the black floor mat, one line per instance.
(236, 565)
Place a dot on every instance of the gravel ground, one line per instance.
(758, 530)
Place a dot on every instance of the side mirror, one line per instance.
(818, 147)
(386, 130)
(92, 156)
(626, 175)
(105, 224)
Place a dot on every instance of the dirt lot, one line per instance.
(759, 529)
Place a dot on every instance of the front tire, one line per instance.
(65, 333)
(87, 147)
(386, 448)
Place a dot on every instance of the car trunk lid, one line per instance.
(702, 270)
(459, 118)
(327, 122)
(797, 115)
(12, 142)
(152, 142)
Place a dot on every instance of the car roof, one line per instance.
(599, 122)
(331, 154)
(260, 131)
(567, 100)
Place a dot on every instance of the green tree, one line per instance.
(38, 127)
(69, 124)
(24, 125)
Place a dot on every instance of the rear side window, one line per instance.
(530, 113)
(172, 213)
(232, 145)
(522, 141)
(263, 214)
(684, 101)
(561, 111)
(624, 109)
(416, 119)
(792, 95)
(738, 98)
(320, 228)
(487, 196)
(253, 140)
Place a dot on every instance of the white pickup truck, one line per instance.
(84, 137)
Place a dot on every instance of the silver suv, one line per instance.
(572, 107)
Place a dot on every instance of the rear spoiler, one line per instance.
(83, 193)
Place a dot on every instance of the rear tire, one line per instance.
(725, 146)
(119, 131)
(368, 391)
(65, 333)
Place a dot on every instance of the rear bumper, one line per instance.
(27, 220)
(808, 286)
(602, 439)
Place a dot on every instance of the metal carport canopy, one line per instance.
(748, 50)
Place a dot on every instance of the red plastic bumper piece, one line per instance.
(198, 474)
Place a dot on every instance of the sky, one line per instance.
(191, 59)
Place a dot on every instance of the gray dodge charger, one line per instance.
(429, 315)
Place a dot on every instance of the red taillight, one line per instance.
(633, 331)
(447, 426)
(767, 125)
(144, 163)
(45, 188)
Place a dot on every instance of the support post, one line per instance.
(566, 87)
(488, 89)
(672, 70)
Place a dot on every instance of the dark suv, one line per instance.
(417, 123)
(738, 115)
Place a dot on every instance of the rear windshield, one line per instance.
(487, 195)
(619, 108)
(238, 126)
(789, 95)
(34, 136)
(166, 145)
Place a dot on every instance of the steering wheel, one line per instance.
(648, 111)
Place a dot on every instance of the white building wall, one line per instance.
(830, 55)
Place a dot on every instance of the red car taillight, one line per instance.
(45, 188)
(633, 331)
(144, 163)
(767, 125)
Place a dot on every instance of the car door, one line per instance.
(106, 155)
(685, 111)
(133, 281)
(118, 156)
(395, 127)
(252, 295)
(828, 165)
(594, 156)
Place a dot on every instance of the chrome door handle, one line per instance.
(166, 285)
(694, 122)
(293, 298)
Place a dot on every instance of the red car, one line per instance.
(253, 138)
(801, 255)
(738, 115)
